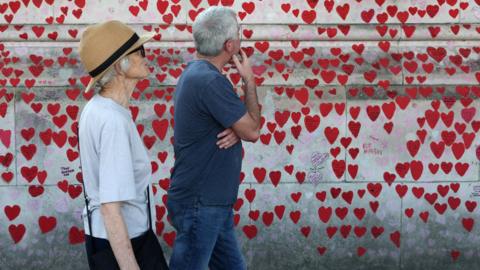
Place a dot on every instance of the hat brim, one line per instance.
(142, 40)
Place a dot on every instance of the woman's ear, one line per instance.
(118, 68)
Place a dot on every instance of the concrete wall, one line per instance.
(369, 155)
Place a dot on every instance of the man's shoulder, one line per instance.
(202, 72)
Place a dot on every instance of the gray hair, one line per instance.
(110, 74)
(212, 28)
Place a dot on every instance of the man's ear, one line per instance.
(229, 46)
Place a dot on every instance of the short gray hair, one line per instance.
(108, 76)
(212, 28)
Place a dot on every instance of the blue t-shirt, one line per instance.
(205, 105)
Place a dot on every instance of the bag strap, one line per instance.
(148, 208)
(89, 214)
(84, 189)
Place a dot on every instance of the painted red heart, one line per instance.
(250, 231)
(17, 232)
(12, 212)
(76, 235)
(47, 224)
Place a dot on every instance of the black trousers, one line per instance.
(98, 244)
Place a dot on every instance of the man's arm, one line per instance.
(248, 127)
(118, 236)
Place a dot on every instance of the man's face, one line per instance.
(237, 42)
(233, 45)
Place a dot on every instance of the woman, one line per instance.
(115, 165)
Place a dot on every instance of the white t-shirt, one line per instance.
(115, 165)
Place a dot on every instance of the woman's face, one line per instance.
(138, 66)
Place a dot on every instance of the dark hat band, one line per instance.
(114, 57)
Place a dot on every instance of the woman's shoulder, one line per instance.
(99, 113)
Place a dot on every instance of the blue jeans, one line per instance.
(205, 238)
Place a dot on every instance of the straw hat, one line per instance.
(102, 45)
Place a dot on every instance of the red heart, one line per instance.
(331, 134)
(432, 118)
(77, 13)
(343, 10)
(169, 238)
(35, 190)
(454, 202)
(296, 196)
(60, 120)
(267, 218)
(468, 114)
(471, 205)
(7, 177)
(353, 170)
(461, 168)
(338, 167)
(279, 211)
(72, 111)
(373, 111)
(250, 194)
(275, 177)
(74, 191)
(279, 136)
(354, 127)
(259, 174)
(254, 214)
(402, 101)
(5, 136)
(295, 216)
(47, 224)
(29, 173)
(416, 168)
(324, 214)
(309, 16)
(63, 185)
(446, 167)
(134, 10)
(53, 108)
(80, 3)
(424, 216)
(437, 148)
(160, 127)
(341, 212)
(76, 236)
(300, 177)
(311, 123)
(17, 232)
(458, 149)
(395, 238)
(250, 231)
(249, 7)
(72, 155)
(331, 231)
(437, 53)
(12, 212)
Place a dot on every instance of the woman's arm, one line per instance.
(118, 236)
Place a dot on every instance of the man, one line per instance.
(210, 120)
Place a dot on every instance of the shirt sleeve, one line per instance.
(116, 177)
(222, 102)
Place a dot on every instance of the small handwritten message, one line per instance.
(66, 171)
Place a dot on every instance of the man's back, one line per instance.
(205, 105)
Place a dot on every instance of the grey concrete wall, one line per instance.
(369, 154)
